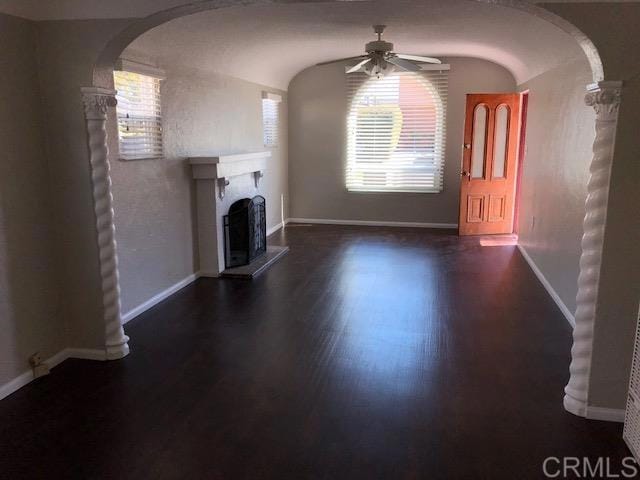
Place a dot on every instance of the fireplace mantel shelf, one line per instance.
(222, 167)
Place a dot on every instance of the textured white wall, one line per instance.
(560, 133)
(154, 200)
(30, 320)
(317, 136)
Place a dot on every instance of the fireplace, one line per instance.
(245, 231)
(231, 220)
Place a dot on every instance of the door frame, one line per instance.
(522, 152)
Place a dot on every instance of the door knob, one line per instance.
(467, 146)
(464, 173)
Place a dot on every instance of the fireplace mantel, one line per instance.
(223, 167)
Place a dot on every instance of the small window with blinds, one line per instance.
(396, 132)
(270, 118)
(139, 115)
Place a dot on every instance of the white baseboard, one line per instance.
(547, 286)
(90, 353)
(276, 227)
(58, 358)
(134, 312)
(15, 384)
(26, 377)
(606, 414)
(86, 353)
(371, 223)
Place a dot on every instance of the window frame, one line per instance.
(157, 74)
(273, 100)
(435, 80)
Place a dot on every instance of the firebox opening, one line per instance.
(245, 231)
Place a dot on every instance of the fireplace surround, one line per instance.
(220, 182)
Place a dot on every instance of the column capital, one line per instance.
(96, 101)
(604, 97)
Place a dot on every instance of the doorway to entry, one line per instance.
(491, 165)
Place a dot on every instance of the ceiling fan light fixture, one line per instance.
(381, 60)
(379, 68)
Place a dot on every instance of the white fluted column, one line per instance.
(96, 101)
(604, 97)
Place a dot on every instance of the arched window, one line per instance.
(396, 129)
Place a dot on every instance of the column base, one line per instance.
(577, 407)
(581, 409)
(118, 350)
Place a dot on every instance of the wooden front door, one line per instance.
(489, 163)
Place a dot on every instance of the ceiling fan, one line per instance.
(380, 58)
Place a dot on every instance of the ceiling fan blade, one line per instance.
(359, 65)
(418, 58)
(359, 57)
(404, 64)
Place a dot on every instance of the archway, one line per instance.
(603, 96)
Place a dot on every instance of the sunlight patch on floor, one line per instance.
(498, 240)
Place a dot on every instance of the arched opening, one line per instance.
(522, 69)
(104, 66)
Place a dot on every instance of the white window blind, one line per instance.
(270, 118)
(139, 115)
(396, 132)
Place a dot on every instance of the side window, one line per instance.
(270, 118)
(139, 115)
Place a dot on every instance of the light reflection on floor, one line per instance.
(390, 338)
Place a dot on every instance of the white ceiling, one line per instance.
(270, 44)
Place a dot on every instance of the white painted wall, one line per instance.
(560, 133)
(30, 319)
(154, 200)
(317, 136)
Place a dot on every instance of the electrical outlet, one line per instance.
(35, 360)
(40, 368)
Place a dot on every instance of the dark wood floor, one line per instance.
(364, 353)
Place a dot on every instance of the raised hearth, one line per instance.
(259, 265)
